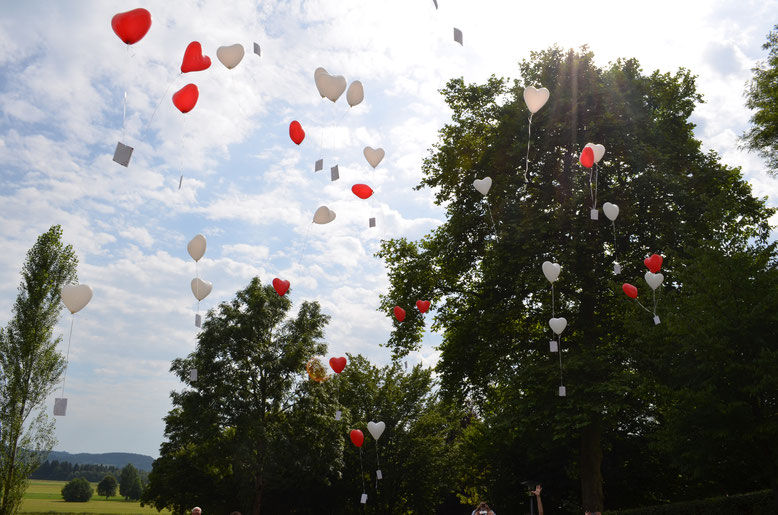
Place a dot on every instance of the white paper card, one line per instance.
(656, 319)
(334, 174)
(553, 346)
(257, 50)
(193, 374)
(372, 222)
(319, 166)
(595, 214)
(436, 3)
(198, 320)
(338, 414)
(60, 407)
(364, 499)
(180, 181)
(562, 391)
(458, 36)
(616, 268)
(378, 474)
(122, 154)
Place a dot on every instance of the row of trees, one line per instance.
(65, 471)
(130, 486)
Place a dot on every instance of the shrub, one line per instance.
(77, 490)
(757, 503)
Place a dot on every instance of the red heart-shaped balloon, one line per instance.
(357, 438)
(280, 286)
(362, 191)
(186, 98)
(423, 305)
(338, 364)
(132, 25)
(630, 290)
(194, 60)
(587, 157)
(296, 132)
(399, 313)
(653, 263)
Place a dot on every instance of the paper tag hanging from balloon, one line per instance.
(319, 166)
(378, 474)
(656, 320)
(594, 214)
(364, 499)
(122, 154)
(198, 320)
(257, 49)
(60, 406)
(371, 222)
(562, 391)
(334, 173)
(616, 268)
(458, 36)
(338, 414)
(193, 374)
(553, 346)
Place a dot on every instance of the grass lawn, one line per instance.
(46, 497)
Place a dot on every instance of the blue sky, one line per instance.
(246, 186)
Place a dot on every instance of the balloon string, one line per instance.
(377, 464)
(591, 189)
(642, 306)
(489, 207)
(529, 137)
(305, 245)
(124, 107)
(615, 254)
(159, 103)
(559, 349)
(361, 468)
(67, 356)
(596, 181)
(553, 309)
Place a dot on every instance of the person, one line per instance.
(483, 509)
(536, 493)
(197, 511)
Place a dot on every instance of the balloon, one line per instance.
(535, 98)
(399, 313)
(132, 25)
(316, 370)
(376, 429)
(598, 150)
(230, 56)
(338, 364)
(186, 98)
(483, 185)
(334, 86)
(280, 286)
(423, 305)
(194, 60)
(630, 290)
(323, 215)
(653, 262)
(357, 438)
(319, 77)
(654, 280)
(201, 288)
(196, 247)
(551, 270)
(75, 296)
(587, 157)
(362, 191)
(610, 210)
(374, 155)
(557, 324)
(296, 132)
(355, 94)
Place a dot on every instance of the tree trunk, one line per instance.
(591, 466)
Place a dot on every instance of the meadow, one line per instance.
(46, 497)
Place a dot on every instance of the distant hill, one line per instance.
(117, 459)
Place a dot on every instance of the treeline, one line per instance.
(56, 470)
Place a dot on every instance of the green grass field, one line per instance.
(46, 497)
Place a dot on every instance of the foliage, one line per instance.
(31, 365)
(491, 300)
(46, 497)
(762, 97)
(77, 490)
(107, 487)
(129, 483)
(757, 503)
(65, 471)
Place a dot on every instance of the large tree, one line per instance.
(31, 365)
(762, 97)
(249, 426)
(492, 301)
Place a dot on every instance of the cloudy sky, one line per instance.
(246, 186)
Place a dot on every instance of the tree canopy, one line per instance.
(762, 97)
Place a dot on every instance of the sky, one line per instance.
(251, 191)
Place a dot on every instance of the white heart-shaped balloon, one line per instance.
(551, 270)
(654, 280)
(320, 77)
(231, 55)
(610, 210)
(196, 247)
(483, 185)
(535, 98)
(557, 324)
(374, 155)
(323, 215)
(376, 429)
(334, 86)
(598, 151)
(355, 94)
(75, 296)
(201, 288)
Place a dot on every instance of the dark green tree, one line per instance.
(107, 487)
(250, 423)
(77, 490)
(128, 481)
(492, 302)
(762, 97)
(31, 365)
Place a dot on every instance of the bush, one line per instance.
(77, 490)
(757, 503)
